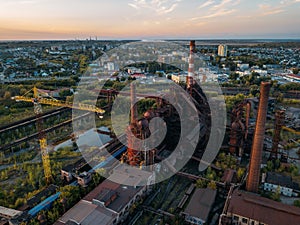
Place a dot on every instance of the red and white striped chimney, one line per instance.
(191, 70)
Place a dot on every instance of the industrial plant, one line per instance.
(251, 177)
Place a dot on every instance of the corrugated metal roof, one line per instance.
(9, 213)
(261, 209)
(201, 203)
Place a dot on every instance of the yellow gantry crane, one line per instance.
(291, 130)
(41, 97)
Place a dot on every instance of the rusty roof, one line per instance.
(261, 209)
(201, 203)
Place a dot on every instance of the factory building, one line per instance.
(109, 202)
(246, 208)
(199, 207)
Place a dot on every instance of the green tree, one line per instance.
(240, 173)
(200, 183)
(7, 95)
(270, 166)
(276, 195)
(297, 203)
(212, 185)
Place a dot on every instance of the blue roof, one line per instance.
(44, 204)
(102, 164)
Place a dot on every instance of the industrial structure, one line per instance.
(139, 127)
(239, 128)
(258, 140)
(279, 122)
(40, 97)
(111, 202)
(249, 208)
(191, 70)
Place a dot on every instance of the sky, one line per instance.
(148, 19)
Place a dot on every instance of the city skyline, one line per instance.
(148, 19)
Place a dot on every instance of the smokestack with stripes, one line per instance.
(191, 70)
(258, 140)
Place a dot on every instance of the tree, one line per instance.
(270, 166)
(276, 195)
(233, 76)
(212, 185)
(295, 70)
(297, 203)
(240, 173)
(200, 183)
(7, 95)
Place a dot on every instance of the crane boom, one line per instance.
(54, 102)
(37, 100)
(291, 130)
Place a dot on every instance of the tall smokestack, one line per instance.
(132, 103)
(258, 140)
(132, 149)
(191, 70)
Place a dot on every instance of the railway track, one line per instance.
(35, 135)
(31, 120)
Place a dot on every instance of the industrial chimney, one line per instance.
(133, 155)
(258, 140)
(191, 70)
(133, 109)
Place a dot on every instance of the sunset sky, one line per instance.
(151, 19)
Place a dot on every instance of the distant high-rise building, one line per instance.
(222, 50)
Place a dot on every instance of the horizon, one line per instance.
(166, 39)
(149, 19)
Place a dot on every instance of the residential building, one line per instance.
(84, 179)
(243, 66)
(177, 78)
(277, 182)
(222, 50)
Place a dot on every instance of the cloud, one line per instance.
(222, 4)
(133, 5)
(25, 2)
(159, 6)
(217, 8)
(206, 4)
(267, 9)
(216, 14)
(272, 12)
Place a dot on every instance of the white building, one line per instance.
(243, 66)
(110, 66)
(222, 50)
(132, 70)
(274, 182)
